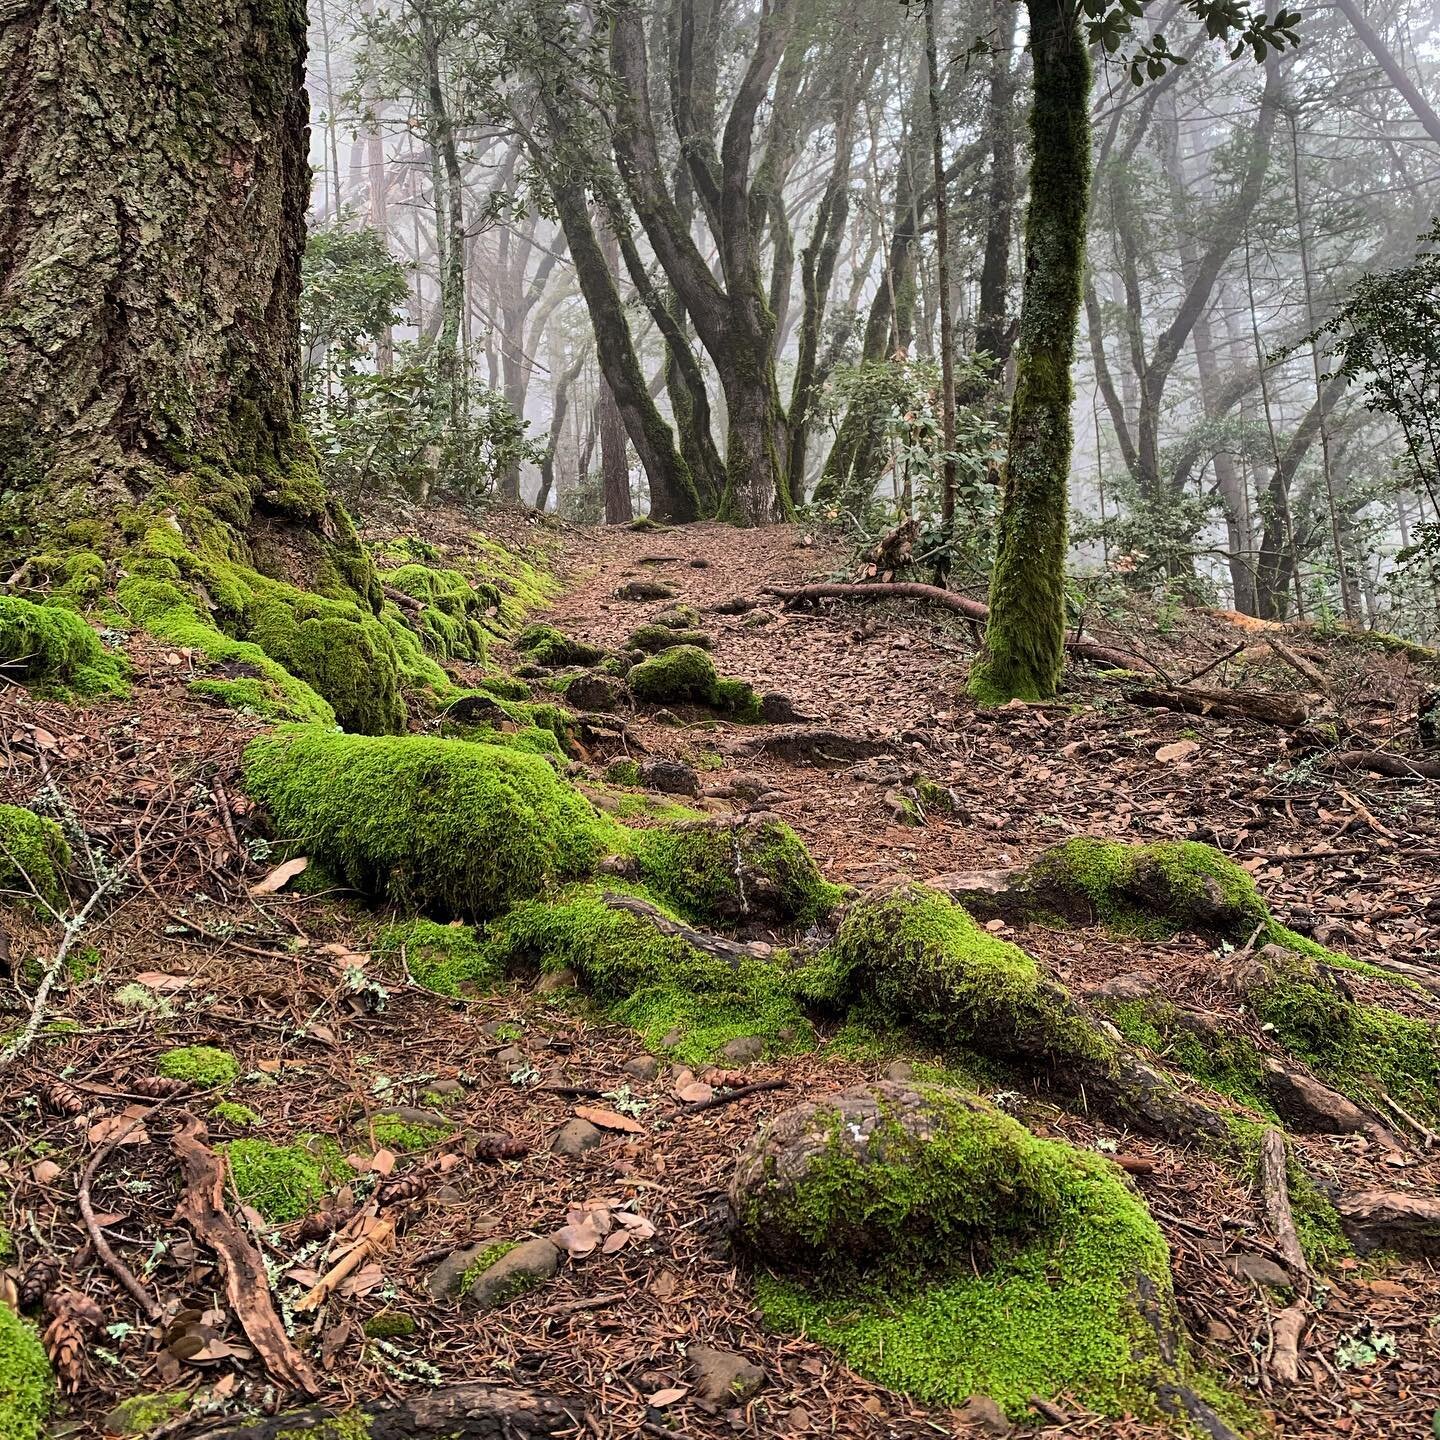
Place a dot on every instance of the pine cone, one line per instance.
(40, 1278)
(320, 1224)
(403, 1187)
(63, 1099)
(73, 1316)
(158, 1087)
(499, 1146)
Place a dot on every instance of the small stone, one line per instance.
(492, 1029)
(443, 1282)
(743, 1049)
(450, 1195)
(1218, 1331)
(642, 1067)
(670, 777)
(981, 1413)
(575, 1137)
(900, 1071)
(671, 1039)
(447, 1087)
(142, 1413)
(515, 1272)
(553, 980)
(511, 1055)
(723, 1376)
(798, 1420)
(1249, 1266)
(596, 691)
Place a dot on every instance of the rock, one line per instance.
(595, 690)
(1249, 1266)
(446, 1087)
(443, 1282)
(492, 1029)
(518, 1270)
(1132, 986)
(553, 980)
(479, 710)
(511, 1055)
(982, 1414)
(143, 1413)
(722, 1376)
(642, 1067)
(900, 1071)
(450, 1195)
(743, 1049)
(645, 590)
(1219, 1331)
(798, 1420)
(575, 1137)
(778, 709)
(669, 777)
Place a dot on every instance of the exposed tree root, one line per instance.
(1393, 1220)
(815, 745)
(1382, 762)
(1275, 1192)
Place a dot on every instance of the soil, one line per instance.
(272, 977)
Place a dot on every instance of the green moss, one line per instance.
(451, 626)
(489, 1256)
(503, 687)
(391, 1325)
(1020, 1269)
(444, 958)
(1317, 1222)
(547, 646)
(687, 675)
(54, 651)
(404, 1136)
(33, 857)
(27, 1386)
(921, 962)
(456, 827)
(238, 1117)
(623, 772)
(657, 984)
(141, 1414)
(348, 1425)
(655, 638)
(202, 1065)
(282, 1182)
(694, 868)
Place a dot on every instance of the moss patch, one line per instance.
(141, 1414)
(33, 857)
(282, 1182)
(451, 624)
(490, 1255)
(238, 1117)
(391, 1325)
(442, 958)
(201, 1065)
(404, 1136)
(27, 1386)
(545, 645)
(54, 651)
(655, 638)
(687, 675)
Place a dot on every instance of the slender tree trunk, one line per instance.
(614, 448)
(1025, 636)
(1394, 70)
(379, 201)
(991, 324)
(947, 327)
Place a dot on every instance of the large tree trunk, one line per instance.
(1025, 637)
(152, 202)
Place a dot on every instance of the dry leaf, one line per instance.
(618, 1240)
(662, 1398)
(609, 1119)
(1178, 751)
(119, 1129)
(45, 1171)
(362, 1282)
(638, 1226)
(695, 1090)
(159, 980)
(664, 1285)
(43, 739)
(280, 876)
(382, 1162)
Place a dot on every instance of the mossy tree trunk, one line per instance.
(1025, 637)
(152, 204)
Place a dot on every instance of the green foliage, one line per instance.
(282, 1182)
(491, 1255)
(547, 646)
(202, 1065)
(404, 1136)
(33, 857)
(457, 827)
(27, 1386)
(444, 958)
(52, 649)
(687, 675)
(239, 1117)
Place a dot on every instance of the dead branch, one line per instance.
(1289, 1326)
(1275, 1191)
(731, 951)
(1383, 762)
(1227, 705)
(366, 1243)
(1299, 665)
(202, 1207)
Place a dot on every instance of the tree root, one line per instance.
(1382, 762)
(1402, 1222)
(1275, 1192)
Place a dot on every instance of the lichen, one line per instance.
(55, 652)
(202, 1065)
(34, 858)
(447, 959)
(27, 1385)
(282, 1182)
(687, 675)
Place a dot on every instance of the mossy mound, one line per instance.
(27, 1385)
(396, 1132)
(447, 825)
(282, 1182)
(530, 727)
(687, 675)
(51, 649)
(958, 1254)
(553, 649)
(202, 1065)
(733, 872)
(444, 958)
(916, 960)
(33, 857)
(655, 638)
(141, 1414)
(676, 996)
(451, 625)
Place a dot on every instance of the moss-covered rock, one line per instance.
(456, 827)
(686, 675)
(655, 638)
(52, 649)
(444, 958)
(235, 1115)
(141, 1414)
(27, 1385)
(951, 1253)
(451, 624)
(202, 1065)
(553, 649)
(34, 857)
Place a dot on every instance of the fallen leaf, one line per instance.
(1178, 751)
(580, 1237)
(362, 1282)
(609, 1119)
(45, 1171)
(637, 1225)
(280, 876)
(662, 1398)
(618, 1240)
(695, 1090)
(43, 739)
(382, 1162)
(160, 980)
(119, 1129)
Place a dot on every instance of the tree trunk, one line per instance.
(947, 327)
(991, 326)
(152, 203)
(1025, 637)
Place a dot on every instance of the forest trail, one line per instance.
(330, 1039)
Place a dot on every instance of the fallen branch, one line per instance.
(725, 1097)
(1275, 1191)
(1227, 705)
(247, 1287)
(1289, 1326)
(731, 951)
(1383, 762)
(365, 1245)
(1299, 665)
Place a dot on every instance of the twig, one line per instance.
(1423, 1131)
(725, 1097)
(1299, 664)
(1275, 1191)
(364, 1247)
(1215, 664)
(1289, 1326)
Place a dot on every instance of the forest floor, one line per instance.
(190, 954)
